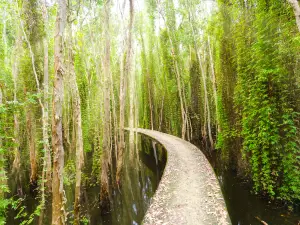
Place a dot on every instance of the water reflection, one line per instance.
(246, 208)
(139, 182)
(143, 167)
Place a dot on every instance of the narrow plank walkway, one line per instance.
(189, 192)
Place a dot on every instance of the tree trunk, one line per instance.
(161, 113)
(148, 83)
(46, 173)
(106, 155)
(17, 160)
(136, 115)
(47, 153)
(296, 8)
(123, 80)
(150, 99)
(131, 114)
(206, 102)
(32, 146)
(179, 88)
(77, 125)
(181, 98)
(121, 123)
(30, 127)
(15, 73)
(58, 211)
(114, 116)
(2, 168)
(4, 36)
(79, 145)
(214, 83)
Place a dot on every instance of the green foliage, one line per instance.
(69, 173)
(22, 213)
(220, 28)
(4, 202)
(4, 189)
(264, 56)
(84, 220)
(254, 118)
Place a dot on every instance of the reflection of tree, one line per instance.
(138, 184)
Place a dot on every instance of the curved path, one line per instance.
(189, 192)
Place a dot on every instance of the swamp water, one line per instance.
(130, 201)
(140, 180)
(246, 208)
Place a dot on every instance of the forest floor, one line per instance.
(189, 192)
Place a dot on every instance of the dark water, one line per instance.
(246, 208)
(139, 182)
(140, 178)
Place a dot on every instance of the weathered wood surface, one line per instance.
(189, 192)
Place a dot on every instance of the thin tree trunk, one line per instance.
(186, 112)
(30, 126)
(68, 117)
(123, 80)
(131, 114)
(121, 123)
(214, 83)
(2, 169)
(77, 126)
(47, 154)
(191, 128)
(296, 8)
(17, 160)
(15, 73)
(150, 100)
(33, 161)
(58, 211)
(79, 146)
(178, 80)
(136, 114)
(4, 36)
(206, 102)
(114, 115)
(161, 113)
(106, 155)
(207, 109)
(147, 78)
